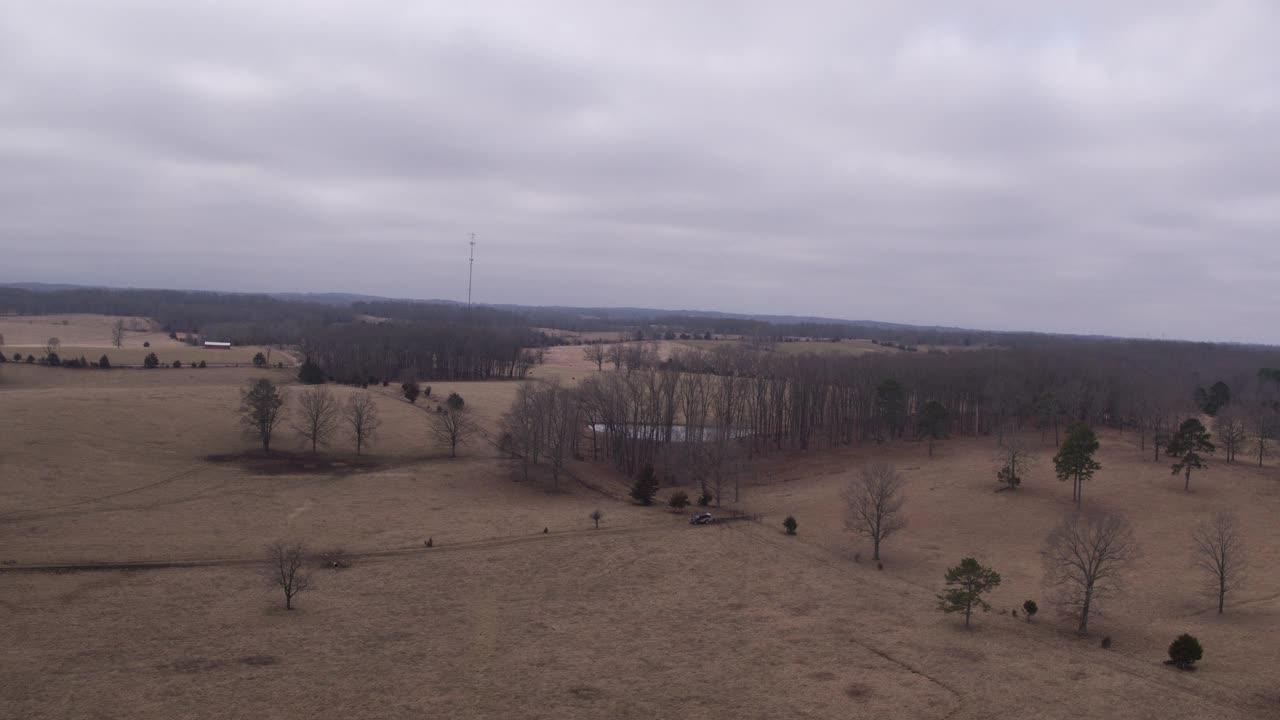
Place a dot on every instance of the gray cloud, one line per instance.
(1108, 167)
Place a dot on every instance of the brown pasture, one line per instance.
(646, 617)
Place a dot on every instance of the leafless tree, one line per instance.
(452, 427)
(563, 426)
(288, 569)
(318, 416)
(523, 426)
(1231, 431)
(595, 353)
(1084, 558)
(1012, 461)
(616, 355)
(51, 346)
(262, 408)
(596, 516)
(361, 415)
(1221, 554)
(117, 332)
(874, 504)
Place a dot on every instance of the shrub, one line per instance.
(1184, 652)
(177, 363)
(705, 499)
(1106, 643)
(104, 362)
(426, 392)
(678, 500)
(455, 403)
(411, 391)
(31, 359)
(1030, 608)
(151, 361)
(146, 344)
(259, 360)
(53, 359)
(790, 525)
(203, 365)
(645, 486)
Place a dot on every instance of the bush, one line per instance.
(1184, 652)
(259, 360)
(203, 365)
(53, 359)
(1030, 608)
(679, 500)
(645, 486)
(104, 362)
(790, 525)
(177, 364)
(146, 344)
(151, 361)
(1106, 643)
(705, 499)
(411, 391)
(455, 403)
(426, 392)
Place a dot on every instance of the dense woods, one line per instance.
(700, 413)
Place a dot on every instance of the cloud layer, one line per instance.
(1106, 168)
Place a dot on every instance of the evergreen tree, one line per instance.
(411, 391)
(1186, 444)
(310, 373)
(933, 422)
(1074, 460)
(645, 486)
(969, 581)
(151, 361)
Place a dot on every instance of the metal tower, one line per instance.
(471, 263)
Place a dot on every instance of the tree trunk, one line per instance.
(1187, 486)
(1084, 611)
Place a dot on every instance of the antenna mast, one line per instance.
(471, 263)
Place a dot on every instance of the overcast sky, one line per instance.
(1109, 167)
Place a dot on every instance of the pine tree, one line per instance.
(969, 581)
(1074, 460)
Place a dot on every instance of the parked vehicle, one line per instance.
(702, 518)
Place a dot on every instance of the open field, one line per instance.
(647, 617)
(90, 336)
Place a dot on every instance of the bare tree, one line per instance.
(596, 516)
(288, 569)
(1012, 461)
(595, 353)
(616, 355)
(117, 332)
(51, 346)
(1231, 430)
(1084, 558)
(875, 503)
(563, 426)
(523, 426)
(1220, 552)
(262, 408)
(361, 414)
(452, 427)
(318, 416)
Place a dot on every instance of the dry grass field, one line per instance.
(90, 336)
(646, 617)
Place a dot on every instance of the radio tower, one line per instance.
(471, 263)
